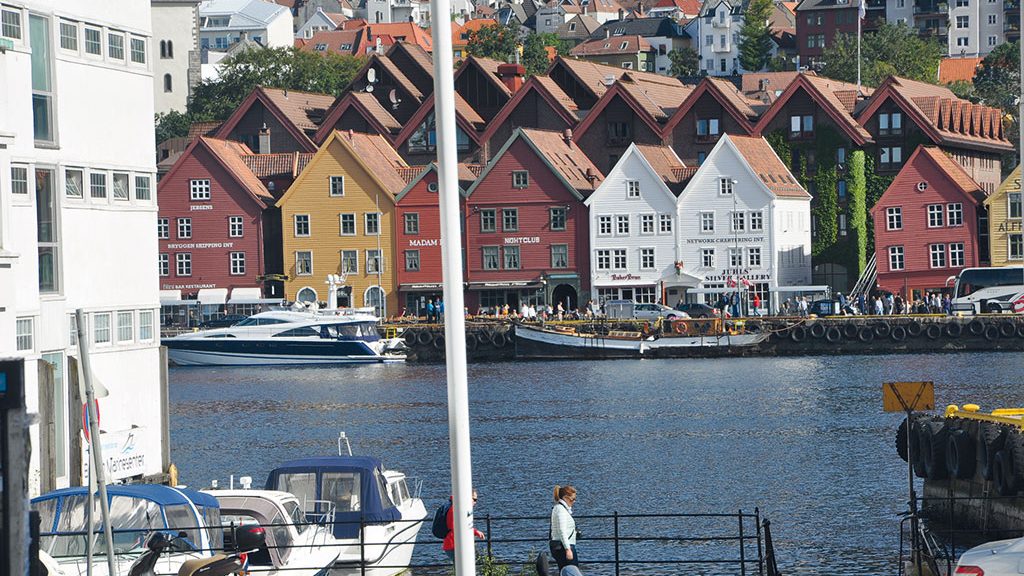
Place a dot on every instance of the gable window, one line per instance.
(707, 128)
(707, 222)
(412, 260)
(237, 263)
(371, 223)
(412, 223)
(184, 228)
(604, 225)
(301, 224)
(142, 190)
(559, 255)
(756, 221)
(183, 264)
(934, 215)
(490, 255)
(235, 226)
(647, 258)
(509, 219)
(955, 214)
(488, 220)
(348, 224)
(895, 257)
(632, 188)
(707, 257)
(199, 189)
(374, 262)
(801, 125)
(618, 132)
(725, 186)
(520, 179)
(304, 263)
(557, 218)
(937, 254)
(890, 156)
(622, 225)
(337, 185)
(890, 123)
(349, 261)
(511, 257)
(163, 228)
(894, 218)
(1014, 208)
(956, 255)
(647, 223)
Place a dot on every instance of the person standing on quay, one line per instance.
(448, 546)
(563, 528)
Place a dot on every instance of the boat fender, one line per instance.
(901, 441)
(818, 330)
(410, 336)
(933, 331)
(482, 338)
(850, 331)
(990, 440)
(932, 441)
(1007, 329)
(976, 327)
(954, 329)
(961, 460)
(883, 329)
(798, 333)
(1003, 474)
(471, 342)
(439, 341)
(424, 337)
(991, 332)
(1020, 330)
(499, 340)
(866, 334)
(833, 335)
(918, 459)
(914, 329)
(899, 333)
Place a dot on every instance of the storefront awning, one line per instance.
(683, 278)
(251, 296)
(168, 297)
(508, 284)
(213, 296)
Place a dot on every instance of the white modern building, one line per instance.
(632, 226)
(223, 23)
(716, 37)
(975, 27)
(176, 58)
(77, 214)
(744, 225)
(320, 21)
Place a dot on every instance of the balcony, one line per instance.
(933, 32)
(876, 5)
(1011, 27)
(1011, 5)
(925, 8)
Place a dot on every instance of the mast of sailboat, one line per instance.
(95, 448)
(451, 264)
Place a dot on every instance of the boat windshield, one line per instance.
(302, 485)
(341, 488)
(298, 518)
(351, 331)
(254, 321)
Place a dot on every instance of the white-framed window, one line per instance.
(895, 258)
(510, 219)
(738, 221)
(371, 223)
(374, 262)
(164, 262)
(725, 186)
(707, 127)
(120, 186)
(138, 50)
(10, 24)
(163, 228)
(756, 220)
(632, 188)
(935, 215)
(69, 35)
(894, 218)
(647, 223)
(707, 257)
(956, 255)
(183, 264)
(125, 326)
(707, 222)
(1015, 246)
(520, 179)
(955, 214)
(142, 188)
(647, 258)
(184, 228)
(412, 223)
(97, 185)
(963, 22)
(890, 123)
(890, 155)
(199, 189)
(300, 225)
(557, 217)
(619, 261)
(236, 226)
(937, 255)
(73, 181)
(337, 185)
(559, 255)
(604, 259)
(412, 260)
(622, 225)
(604, 225)
(24, 334)
(754, 257)
(735, 257)
(303, 263)
(237, 266)
(350, 261)
(348, 224)
(664, 223)
(115, 46)
(1014, 209)
(19, 180)
(93, 41)
(101, 328)
(145, 325)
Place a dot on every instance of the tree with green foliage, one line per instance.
(894, 49)
(498, 42)
(172, 124)
(857, 189)
(756, 36)
(997, 80)
(685, 62)
(535, 53)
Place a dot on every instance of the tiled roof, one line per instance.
(659, 99)
(341, 41)
(468, 113)
(615, 45)
(304, 109)
(488, 68)
(399, 77)
(410, 173)
(825, 5)
(379, 158)
(763, 160)
(753, 81)
(470, 26)
(374, 108)
(728, 90)
(265, 165)
(231, 154)
(469, 172)
(665, 162)
(687, 6)
(583, 25)
(198, 129)
(407, 32)
(335, 17)
(599, 77)
(958, 69)
(953, 171)
(567, 158)
(557, 93)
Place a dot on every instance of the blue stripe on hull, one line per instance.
(229, 351)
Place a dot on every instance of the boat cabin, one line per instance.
(273, 509)
(356, 486)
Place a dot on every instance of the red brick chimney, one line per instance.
(512, 76)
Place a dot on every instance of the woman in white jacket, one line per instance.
(563, 528)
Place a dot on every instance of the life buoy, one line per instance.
(990, 440)
(991, 332)
(883, 329)
(933, 331)
(499, 340)
(899, 333)
(976, 327)
(410, 337)
(954, 329)
(798, 333)
(932, 442)
(680, 327)
(439, 341)
(850, 331)
(914, 329)
(833, 335)
(1007, 329)
(961, 460)
(866, 334)
(424, 337)
(818, 330)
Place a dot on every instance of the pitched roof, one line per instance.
(197, 129)
(488, 68)
(366, 106)
(686, 6)
(549, 90)
(350, 42)
(461, 32)
(954, 171)
(265, 165)
(566, 158)
(230, 154)
(958, 69)
(607, 46)
(597, 78)
(579, 26)
(734, 102)
(838, 100)
(666, 164)
(243, 14)
(652, 26)
(767, 165)
(407, 32)
(304, 109)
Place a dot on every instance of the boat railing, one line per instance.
(724, 543)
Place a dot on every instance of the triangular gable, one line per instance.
(841, 118)
(947, 109)
(421, 116)
(633, 151)
(707, 86)
(617, 91)
(517, 135)
(351, 101)
(532, 84)
(951, 172)
(724, 143)
(478, 64)
(432, 167)
(1010, 184)
(256, 190)
(258, 95)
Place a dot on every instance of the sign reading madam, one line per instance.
(423, 242)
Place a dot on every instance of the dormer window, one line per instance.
(572, 26)
(707, 128)
(624, 46)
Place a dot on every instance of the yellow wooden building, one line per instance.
(338, 218)
(1006, 222)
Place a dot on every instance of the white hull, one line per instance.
(203, 358)
(389, 560)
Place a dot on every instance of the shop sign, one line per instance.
(523, 240)
(1010, 226)
(625, 277)
(725, 239)
(186, 286)
(199, 245)
(423, 242)
(725, 277)
(124, 453)
(199, 207)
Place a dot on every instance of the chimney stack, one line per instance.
(567, 136)
(264, 140)
(511, 75)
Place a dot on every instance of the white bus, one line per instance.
(989, 290)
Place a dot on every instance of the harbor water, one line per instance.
(803, 438)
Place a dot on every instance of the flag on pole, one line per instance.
(862, 11)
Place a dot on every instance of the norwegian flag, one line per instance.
(746, 283)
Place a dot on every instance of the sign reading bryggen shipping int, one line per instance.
(125, 454)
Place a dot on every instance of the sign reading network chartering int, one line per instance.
(124, 454)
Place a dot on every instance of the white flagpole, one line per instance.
(451, 263)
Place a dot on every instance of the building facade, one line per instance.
(176, 58)
(1006, 222)
(76, 224)
(224, 23)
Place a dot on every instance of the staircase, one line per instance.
(866, 281)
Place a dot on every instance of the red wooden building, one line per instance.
(926, 224)
(526, 225)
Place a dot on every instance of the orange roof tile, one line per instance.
(953, 170)
(378, 156)
(958, 69)
(198, 129)
(264, 165)
(665, 163)
(769, 168)
(230, 154)
(304, 109)
(567, 158)
(407, 32)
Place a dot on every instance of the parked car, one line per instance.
(222, 320)
(698, 310)
(655, 311)
(999, 558)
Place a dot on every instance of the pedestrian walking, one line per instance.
(448, 546)
(563, 528)
(430, 311)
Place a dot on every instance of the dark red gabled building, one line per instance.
(539, 103)
(215, 227)
(715, 107)
(817, 24)
(926, 225)
(359, 112)
(487, 85)
(272, 120)
(527, 237)
(417, 142)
